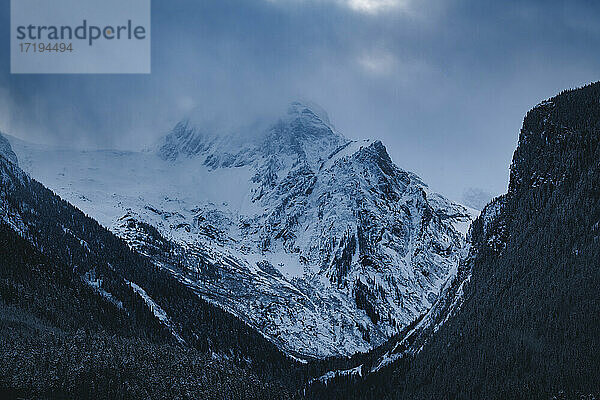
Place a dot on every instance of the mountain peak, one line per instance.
(304, 132)
(310, 109)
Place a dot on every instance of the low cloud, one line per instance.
(381, 63)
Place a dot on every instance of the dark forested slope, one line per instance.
(60, 339)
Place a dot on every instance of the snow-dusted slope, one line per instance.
(321, 243)
(6, 151)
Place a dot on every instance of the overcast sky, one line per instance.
(443, 83)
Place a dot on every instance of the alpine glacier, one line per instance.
(319, 242)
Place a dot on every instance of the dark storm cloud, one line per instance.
(444, 84)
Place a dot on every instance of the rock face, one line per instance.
(321, 243)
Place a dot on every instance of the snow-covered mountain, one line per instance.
(321, 243)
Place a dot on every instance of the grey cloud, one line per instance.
(444, 84)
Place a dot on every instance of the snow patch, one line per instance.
(158, 312)
(96, 283)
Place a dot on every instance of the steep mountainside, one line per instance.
(84, 316)
(527, 325)
(6, 150)
(321, 243)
